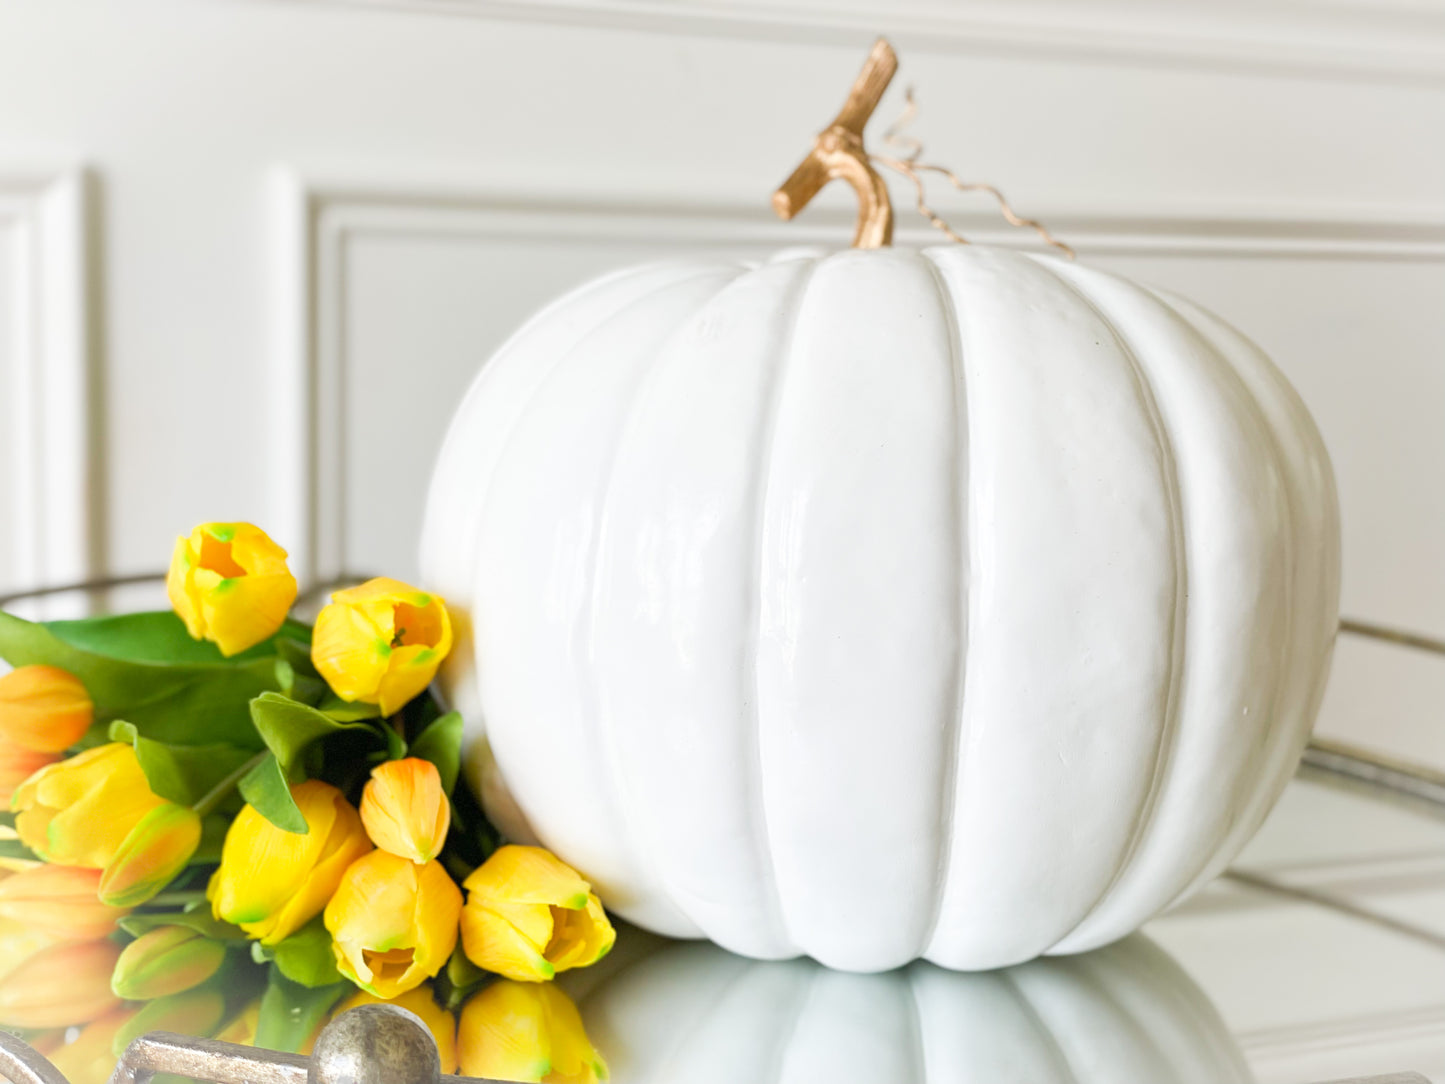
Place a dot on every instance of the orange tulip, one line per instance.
(18, 764)
(88, 1060)
(60, 901)
(163, 961)
(405, 809)
(60, 986)
(43, 708)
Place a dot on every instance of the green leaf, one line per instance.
(288, 727)
(265, 787)
(296, 650)
(180, 773)
(198, 920)
(395, 743)
(441, 743)
(307, 957)
(291, 1013)
(343, 712)
(145, 669)
(13, 848)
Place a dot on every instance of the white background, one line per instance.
(251, 252)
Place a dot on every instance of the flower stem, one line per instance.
(170, 899)
(217, 794)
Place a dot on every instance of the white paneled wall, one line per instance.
(301, 227)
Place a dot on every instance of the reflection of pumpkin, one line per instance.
(1126, 1014)
(957, 603)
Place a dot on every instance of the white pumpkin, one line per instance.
(956, 603)
(1126, 1014)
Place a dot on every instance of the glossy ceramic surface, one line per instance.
(959, 604)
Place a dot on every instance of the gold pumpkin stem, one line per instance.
(838, 153)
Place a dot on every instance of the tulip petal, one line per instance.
(503, 1034)
(163, 961)
(59, 900)
(495, 944)
(243, 611)
(405, 809)
(351, 650)
(521, 874)
(581, 937)
(43, 708)
(151, 855)
(79, 811)
(60, 986)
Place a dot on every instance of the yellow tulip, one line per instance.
(18, 765)
(163, 961)
(393, 923)
(242, 1028)
(60, 986)
(43, 708)
(88, 1059)
(420, 1001)
(529, 916)
(381, 643)
(405, 809)
(78, 812)
(60, 901)
(272, 882)
(229, 583)
(151, 855)
(526, 1031)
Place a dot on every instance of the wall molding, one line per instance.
(1386, 42)
(317, 214)
(47, 430)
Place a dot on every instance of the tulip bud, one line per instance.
(17, 765)
(151, 855)
(163, 961)
(60, 901)
(229, 583)
(439, 1022)
(88, 1060)
(526, 1031)
(405, 809)
(43, 708)
(272, 882)
(195, 1012)
(393, 923)
(78, 812)
(529, 916)
(60, 986)
(381, 643)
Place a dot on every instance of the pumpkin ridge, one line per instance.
(768, 426)
(1169, 728)
(601, 733)
(1279, 753)
(963, 527)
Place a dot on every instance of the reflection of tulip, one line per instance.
(529, 916)
(393, 923)
(78, 812)
(230, 585)
(526, 1031)
(405, 809)
(272, 882)
(18, 765)
(381, 643)
(60, 901)
(163, 961)
(151, 855)
(88, 1060)
(43, 708)
(420, 1001)
(242, 1028)
(59, 986)
(195, 1012)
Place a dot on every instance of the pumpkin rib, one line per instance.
(1285, 739)
(679, 923)
(768, 426)
(1179, 631)
(602, 732)
(963, 527)
(1177, 846)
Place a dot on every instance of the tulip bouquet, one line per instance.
(226, 822)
